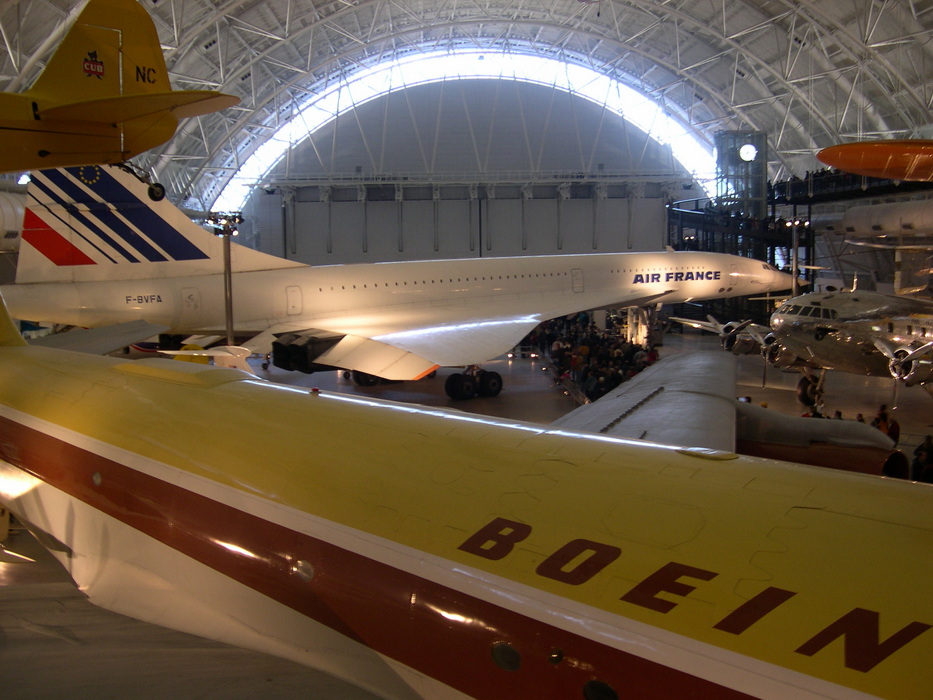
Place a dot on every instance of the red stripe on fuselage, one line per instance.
(439, 631)
(51, 243)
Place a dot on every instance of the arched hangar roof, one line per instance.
(807, 73)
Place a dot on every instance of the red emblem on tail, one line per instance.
(92, 66)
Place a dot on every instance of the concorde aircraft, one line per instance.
(433, 554)
(851, 331)
(103, 97)
(98, 250)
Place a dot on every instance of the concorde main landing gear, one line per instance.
(473, 382)
(364, 379)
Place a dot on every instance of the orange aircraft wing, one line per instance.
(908, 159)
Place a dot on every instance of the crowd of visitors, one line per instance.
(595, 361)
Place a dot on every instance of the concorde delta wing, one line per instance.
(404, 352)
(683, 400)
(100, 341)
(376, 358)
(402, 344)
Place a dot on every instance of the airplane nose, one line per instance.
(782, 280)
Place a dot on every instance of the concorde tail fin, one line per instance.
(95, 223)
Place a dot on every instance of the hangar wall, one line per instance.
(466, 168)
(316, 226)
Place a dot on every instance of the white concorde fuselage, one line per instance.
(374, 299)
(98, 250)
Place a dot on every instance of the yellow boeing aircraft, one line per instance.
(423, 553)
(104, 96)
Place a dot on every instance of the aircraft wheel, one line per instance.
(363, 379)
(467, 386)
(490, 384)
(156, 192)
(452, 386)
(460, 387)
(806, 391)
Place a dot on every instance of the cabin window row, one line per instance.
(459, 280)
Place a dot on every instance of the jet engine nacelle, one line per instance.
(296, 353)
(911, 372)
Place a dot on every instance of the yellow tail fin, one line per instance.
(104, 96)
(111, 50)
(9, 333)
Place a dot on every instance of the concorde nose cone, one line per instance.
(781, 280)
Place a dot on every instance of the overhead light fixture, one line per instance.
(748, 152)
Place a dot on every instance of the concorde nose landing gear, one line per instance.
(473, 382)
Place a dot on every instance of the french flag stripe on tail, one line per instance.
(51, 243)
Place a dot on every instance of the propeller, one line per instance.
(900, 359)
(729, 333)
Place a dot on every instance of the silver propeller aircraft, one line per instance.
(851, 331)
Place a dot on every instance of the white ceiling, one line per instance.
(809, 73)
